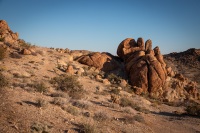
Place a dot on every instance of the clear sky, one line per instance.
(100, 25)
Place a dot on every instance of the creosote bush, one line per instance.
(69, 84)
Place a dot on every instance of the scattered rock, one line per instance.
(70, 70)
(26, 52)
(106, 82)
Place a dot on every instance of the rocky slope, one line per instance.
(59, 90)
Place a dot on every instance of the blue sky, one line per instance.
(100, 25)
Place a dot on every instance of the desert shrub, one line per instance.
(71, 109)
(193, 109)
(39, 87)
(60, 94)
(115, 91)
(128, 119)
(41, 103)
(100, 116)
(2, 53)
(114, 79)
(59, 101)
(3, 81)
(82, 104)
(40, 128)
(127, 110)
(69, 84)
(88, 128)
(124, 102)
(139, 118)
(24, 44)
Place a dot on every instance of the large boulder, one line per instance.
(145, 67)
(102, 61)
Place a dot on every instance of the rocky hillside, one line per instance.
(52, 90)
(187, 63)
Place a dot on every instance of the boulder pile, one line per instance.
(7, 35)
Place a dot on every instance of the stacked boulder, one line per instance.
(144, 66)
(148, 72)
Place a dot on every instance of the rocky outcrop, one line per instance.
(7, 35)
(102, 61)
(145, 67)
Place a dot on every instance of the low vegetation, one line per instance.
(114, 79)
(41, 103)
(100, 116)
(59, 101)
(88, 128)
(39, 87)
(69, 84)
(40, 128)
(71, 109)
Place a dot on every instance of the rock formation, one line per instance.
(102, 61)
(145, 67)
(7, 35)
